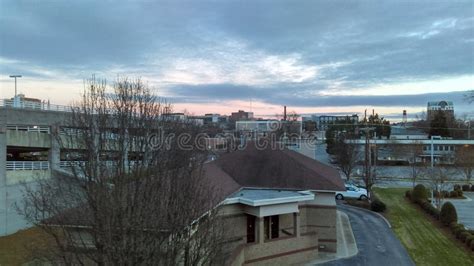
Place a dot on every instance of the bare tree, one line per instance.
(464, 160)
(346, 156)
(438, 183)
(412, 152)
(136, 192)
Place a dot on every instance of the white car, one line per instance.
(352, 192)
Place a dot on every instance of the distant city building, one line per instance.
(215, 119)
(241, 115)
(174, 116)
(325, 121)
(446, 107)
(211, 118)
(402, 132)
(257, 126)
(401, 150)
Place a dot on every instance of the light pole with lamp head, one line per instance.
(16, 101)
(15, 77)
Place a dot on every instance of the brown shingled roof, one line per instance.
(272, 168)
(250, 167)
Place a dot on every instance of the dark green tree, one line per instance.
(344, 127)
(439, 125)
(382, 126)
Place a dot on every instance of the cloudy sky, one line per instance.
(220, 56)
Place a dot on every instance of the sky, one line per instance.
(222, 56)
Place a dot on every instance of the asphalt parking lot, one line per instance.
(465, 210)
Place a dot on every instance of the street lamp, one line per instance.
(468, 129)
(15, 77)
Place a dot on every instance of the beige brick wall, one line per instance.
(282, 251)
(317, 226)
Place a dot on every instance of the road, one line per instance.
(376, 242)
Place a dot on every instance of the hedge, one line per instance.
(408, 194)
(377, 205)
(466, 187)
(419, 193)
(469, 240)
(458, 230)
(448, 214)
(464, 235)
(453, 226)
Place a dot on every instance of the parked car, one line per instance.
(358, 183)
(352, 192)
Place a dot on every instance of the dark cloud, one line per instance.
(378, 42)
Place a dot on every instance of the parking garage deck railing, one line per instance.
(43, 106)
(42, 129)
(27, 165)
(68, 164)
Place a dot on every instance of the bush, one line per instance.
(453, 226)
(377, 205)
(434, 212)
(464, 235)
(459, 228)
(469, 240)
(472, 245)
(420, 193)
(425, 205)
(453, 194)
(466, 187)
(445, 194)
(457, 187)
(408, 194)
(460, 193)
(472, 188)
(459, 233)
(448, 214)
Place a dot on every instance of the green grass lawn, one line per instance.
(424, 241)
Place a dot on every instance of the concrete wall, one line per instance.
(15, 177)
(3, 149)
(3, 158)
(28, 139)
(17, 116)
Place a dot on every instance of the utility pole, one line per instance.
(368, 163)
(432, 153)
(375, 155)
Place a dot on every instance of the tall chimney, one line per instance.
(284, 113)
